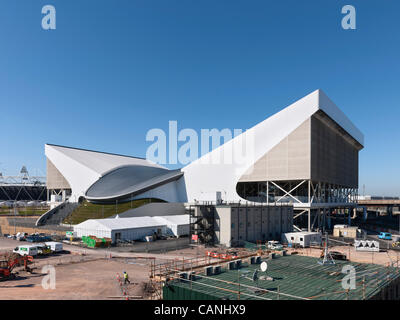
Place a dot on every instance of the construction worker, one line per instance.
(126, 278)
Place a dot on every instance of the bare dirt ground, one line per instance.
(86, 273)
(382, 258)
(84, 280)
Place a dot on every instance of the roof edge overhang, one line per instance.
(94, 151)
(329, 107)
(153, 183)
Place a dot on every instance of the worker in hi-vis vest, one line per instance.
(126, 278)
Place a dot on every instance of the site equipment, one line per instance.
(336, 255)
(274, 245)
(37, 238)
(224, 256)
(396, 244)
(7, 266)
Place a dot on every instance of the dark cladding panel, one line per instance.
(334, 155)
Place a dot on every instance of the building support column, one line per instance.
(349, 217)
(329, 218)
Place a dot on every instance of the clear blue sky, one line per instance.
(112, 70)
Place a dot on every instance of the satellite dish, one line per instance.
(264, 266)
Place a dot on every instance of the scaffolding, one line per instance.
(170, 270)
(203, 222)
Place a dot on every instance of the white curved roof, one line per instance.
(126, 181)
(208, 175)
(81, 168)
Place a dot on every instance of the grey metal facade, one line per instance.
(232, 225)
(334, 154)
(318, 150)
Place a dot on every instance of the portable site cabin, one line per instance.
(303, 239)
(136, 228)
(177, 225)
(343, 230)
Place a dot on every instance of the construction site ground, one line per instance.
(93, 274)
(384, 257)
(87, 274)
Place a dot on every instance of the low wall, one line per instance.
(42, 219)
(6, 228)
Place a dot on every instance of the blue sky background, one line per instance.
(112, 70)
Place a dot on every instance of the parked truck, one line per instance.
(385, 236)
(43, 249)
(55, 246)
(26, 250)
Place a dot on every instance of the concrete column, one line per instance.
(389, 211)
(349, 217)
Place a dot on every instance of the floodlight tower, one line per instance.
(25, 174)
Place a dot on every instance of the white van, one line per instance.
(27, 250)
(55, 246)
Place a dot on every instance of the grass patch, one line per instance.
(87, 210)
